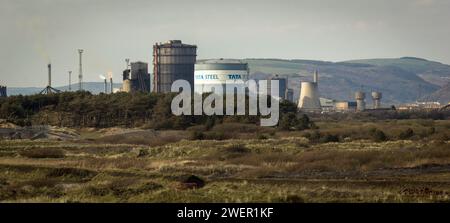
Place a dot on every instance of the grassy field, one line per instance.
(338, 162)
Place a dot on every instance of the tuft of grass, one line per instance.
(71, 173)
(40, 153)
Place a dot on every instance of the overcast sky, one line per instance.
(36, 31)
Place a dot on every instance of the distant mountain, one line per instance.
(400, 80)
(93, 87)
(430, 71)
(442, 95)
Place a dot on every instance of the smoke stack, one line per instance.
(70, 80)
(316, 76)
(106, 86)
(110, 76)
(49, 75)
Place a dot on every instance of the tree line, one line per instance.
(83, 109)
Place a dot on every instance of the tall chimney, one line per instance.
(110, 79)
(70, 80)
(106, 86)
(316, 76)
(49, 75)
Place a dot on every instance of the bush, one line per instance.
(216, 136)
(261, 136)
(408, 133)
(378, 136)
(39, 153)
(196, 135)
(329, 138)
(237, 148)
(291, 121)
(192, 182)
(71, 172)
(313, 136)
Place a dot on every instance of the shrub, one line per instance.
(237, 148)
(313, 136)
(71, 172)
(329, 138)
(192, 182)
(39, 153)
(261, 136)
(378, 135)
(408, 133)
(217, 136)
(196, 135)
(290, 121)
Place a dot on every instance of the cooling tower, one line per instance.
(309, 97)
(376, 98)
(360, 103)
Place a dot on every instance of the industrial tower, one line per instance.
(49, 89)
(309, 95)
(80, 75)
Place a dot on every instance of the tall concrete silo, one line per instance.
(360, 100)
(172, 61)
(376, 99)
(309, 95)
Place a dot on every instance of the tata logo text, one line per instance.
(216, 77)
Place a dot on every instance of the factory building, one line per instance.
(3, 91)
(290, 95)
(345, 106)
(327, 104)
(282, 87)
(137, 78)
(431, 105)
(309, 96)
(218, 72)
(172, 61)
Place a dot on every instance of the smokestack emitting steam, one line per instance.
(104, 79)
(110, 75)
